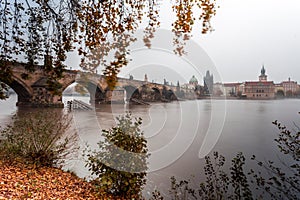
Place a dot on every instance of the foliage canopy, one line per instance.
(37, 30)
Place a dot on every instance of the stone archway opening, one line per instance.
(75, 91)
(87, 92)
(131, 93)
(172, 95)
(24, 95)
(168, 95)
(9, 104)
(157, 94)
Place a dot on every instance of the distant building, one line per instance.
(241, 90)
(262, 89)
(289, 87)
(218, 89)
(278, 87)
(192, 84)
(193, 81)
(279, 90)
(232, 89)
(166, 82)
(208, 82)
(192, 89)
(179, 93)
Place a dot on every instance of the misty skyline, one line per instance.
(248, 34)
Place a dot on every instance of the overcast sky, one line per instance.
(248, 34)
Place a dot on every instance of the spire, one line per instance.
(263, 71)
(263, 76)
(207, 73)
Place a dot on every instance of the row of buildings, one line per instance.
(260, 89)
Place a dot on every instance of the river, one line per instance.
(181, 133)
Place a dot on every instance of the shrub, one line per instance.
(281, 182)
(120, 162)
(38, 138)
(218, 184)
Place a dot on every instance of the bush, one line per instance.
(218, 184)
(38, 138)
(282, 182)
(120, 162)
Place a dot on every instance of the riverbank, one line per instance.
(20, 181)
(242, 98)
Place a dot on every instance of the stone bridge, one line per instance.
(34, 90)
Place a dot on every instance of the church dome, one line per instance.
(193, 80)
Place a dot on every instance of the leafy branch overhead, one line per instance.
(33, 30)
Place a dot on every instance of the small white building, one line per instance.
(289, 87)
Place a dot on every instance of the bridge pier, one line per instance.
(39, 104)
(53, 102)
(23, 100)
(115, 96)
(41, 96)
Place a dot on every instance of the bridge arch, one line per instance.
(67, 84)
(131, 92)
(97, 94)
(157, 93)
(172, 95)
(168, 94)
(23, 91)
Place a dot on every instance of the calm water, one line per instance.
(179, 134)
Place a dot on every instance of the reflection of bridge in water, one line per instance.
(35, 91)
